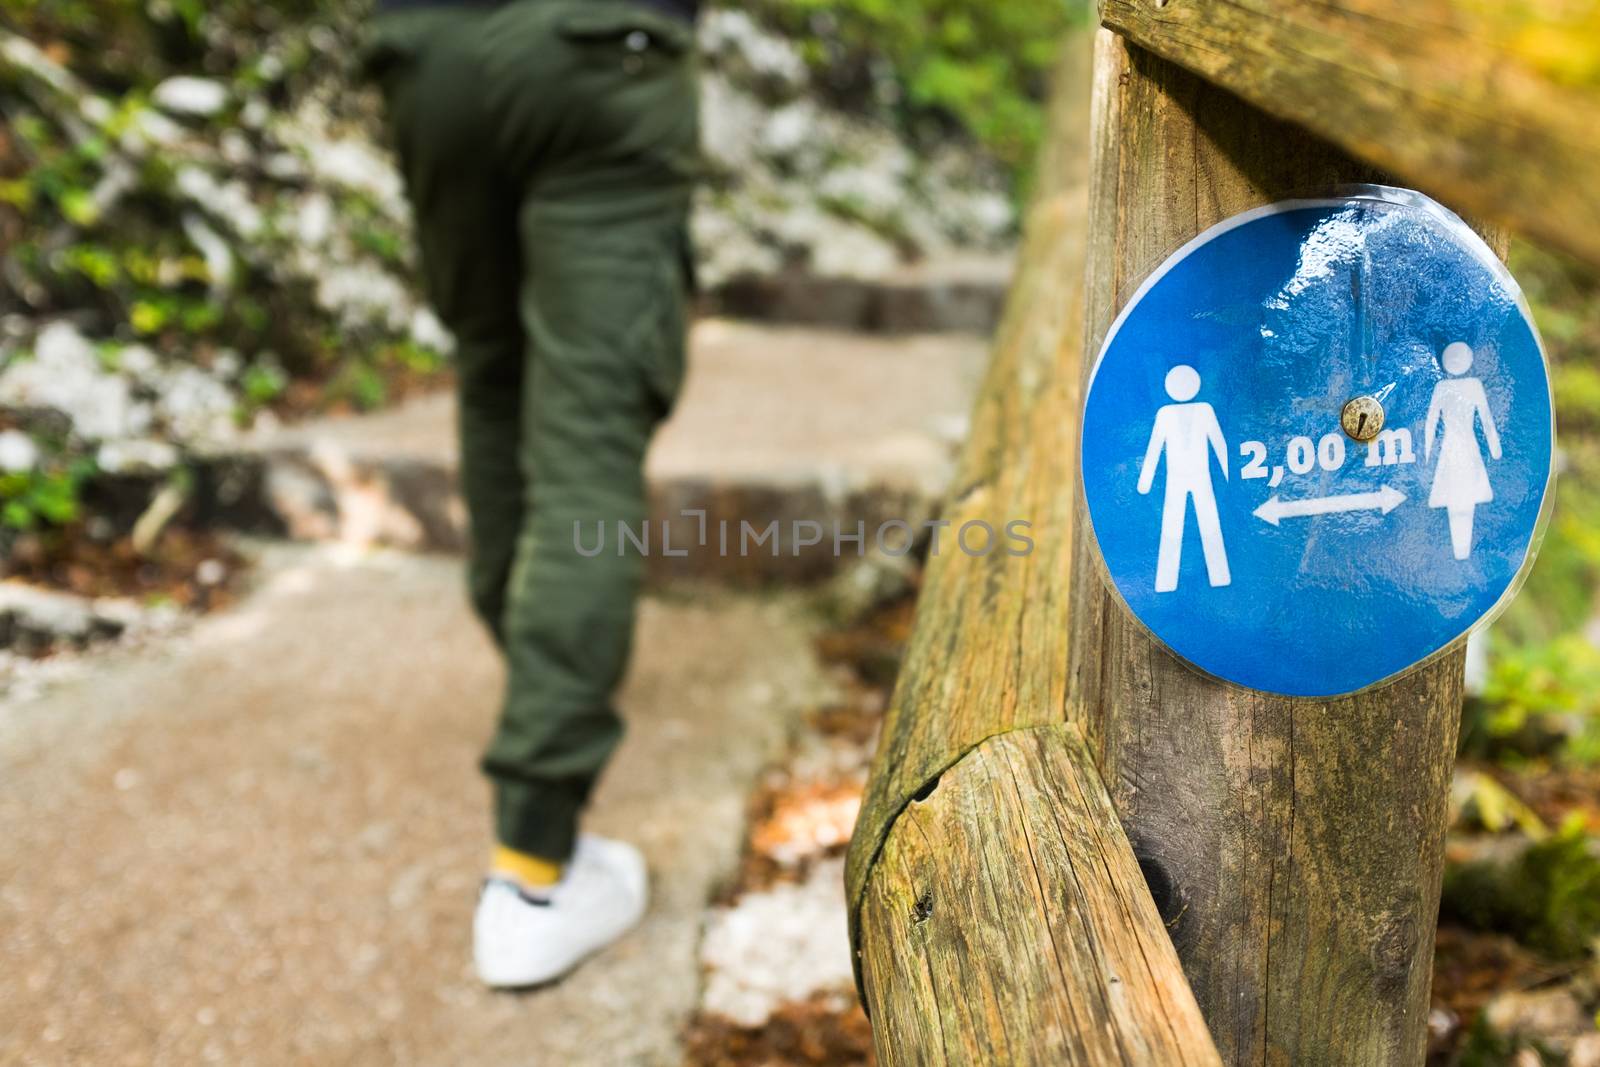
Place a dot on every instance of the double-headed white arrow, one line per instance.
(1387, 499)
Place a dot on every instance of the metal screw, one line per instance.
(637, 41)
(1362, 418)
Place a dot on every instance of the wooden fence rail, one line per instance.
(997, 909)
(1491, 107)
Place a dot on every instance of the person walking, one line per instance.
(548, 149)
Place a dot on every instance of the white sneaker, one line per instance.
(521, 938)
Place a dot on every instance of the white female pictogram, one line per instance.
(1187, 434)
(1460, 481)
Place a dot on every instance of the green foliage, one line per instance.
(1559, 596)
(1484, 1046)
(123, 44)
(372, 232)
(1543, 696)
(1565, 296)
(1560, 677)
(101, 229)
(62, 175)
(263, 383)
(366, 381)
(1491, 807)
(30, 499)
(1540, 698)
(96, 263)
(157, 313)
(1548, 897)
(134, 266)
(981, 64)
(360, 385)
(418, 359)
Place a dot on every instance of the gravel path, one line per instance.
(261, 844)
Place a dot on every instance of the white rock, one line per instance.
(230, 202)
(917, 225)
(61, 345)
(313, 221)
(363, 293)
(195, 406)
(983, 217)
(27, 56)
(213, 249)
(359, 166)
(17, 451)
(236, 148)
(47, 615)
(119, 179)
(138, 455)
(45, 612)
(872, 191)
(726, 248)
(65, 375)
(227, 364)
(139, 363)
(284, 167)
(791, 130)
(149, 129)
(777, 947)
(256, 113)
(731, 122)
(994, 213)
(185, 95)
(271, 67)
(839, 248)
(97, 109)
(1552, 1015)
(732, 37)
(428, 332)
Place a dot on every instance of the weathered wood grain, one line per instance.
(1490, 107)
(988, 651)
(1008, 923)
(1000, 918)
(1295, 846)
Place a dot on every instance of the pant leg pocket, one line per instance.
(606, 324)
(660, 337)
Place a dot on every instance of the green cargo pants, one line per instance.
(548, 149)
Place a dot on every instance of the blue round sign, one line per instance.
(1317, 442)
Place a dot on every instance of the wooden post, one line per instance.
(997, 910)
(1295, 846)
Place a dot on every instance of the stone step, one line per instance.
(815, 430)
(964, 294)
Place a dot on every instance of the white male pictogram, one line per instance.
(1186, 434)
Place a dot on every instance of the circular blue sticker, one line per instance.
(1317, 442)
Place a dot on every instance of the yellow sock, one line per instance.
(531, 872)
